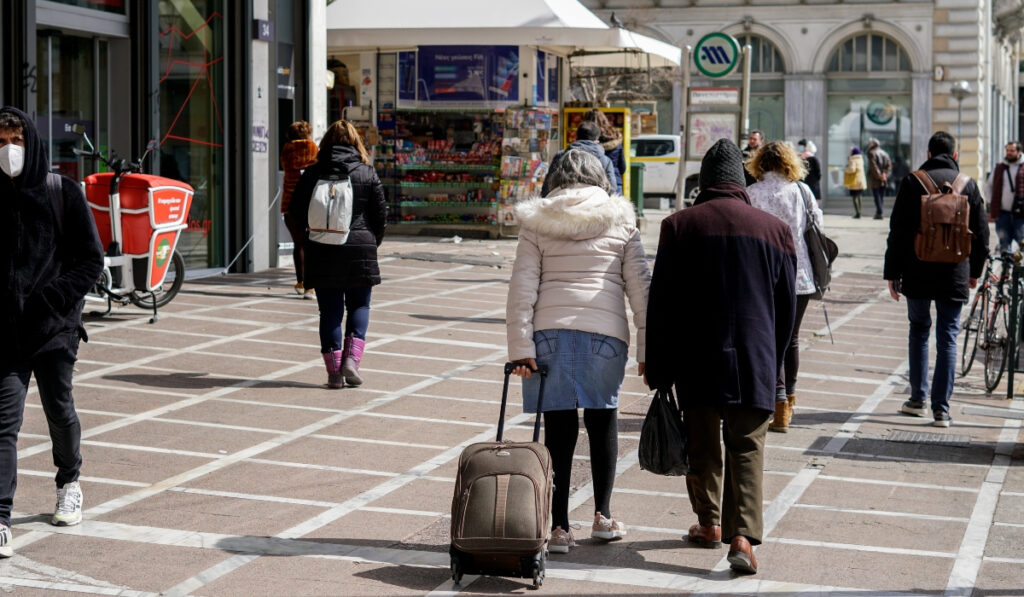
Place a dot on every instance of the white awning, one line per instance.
(558, 25)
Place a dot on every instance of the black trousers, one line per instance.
(561, 429)
(791, 361)
(53, 370)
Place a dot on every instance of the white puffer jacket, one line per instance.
(579, 257)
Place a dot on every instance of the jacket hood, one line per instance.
(575, 213)
(340, 154)
(36, 165)
(723, 190)
(939, 162)
(587, 145)
(610, 144)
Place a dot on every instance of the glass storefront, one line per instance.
(191, 118)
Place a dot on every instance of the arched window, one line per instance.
(767, 107)
(764, 56)
(869, 53)
(870, 92)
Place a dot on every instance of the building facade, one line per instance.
(214, 83)
(840, 72)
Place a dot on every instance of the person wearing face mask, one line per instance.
(1005, 190)
(50, 255)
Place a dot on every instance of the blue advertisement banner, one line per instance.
(553, 80)
(468, 73)
(538, 89)
(407, 75)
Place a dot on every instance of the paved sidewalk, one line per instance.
(218, 463)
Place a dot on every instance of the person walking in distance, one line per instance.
(1005, 190)
(579, 259)
(812, 179)
(924, 283)
(298, 154)
(854, 179)
(879, 170)
(778, 169)
(611, 141)
(754, 142)
(50, 256)
(587, 134)
(343, 274)
(722, 347)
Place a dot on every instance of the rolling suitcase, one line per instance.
(501, 511)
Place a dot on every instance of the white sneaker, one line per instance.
(69, 506)
(608, 529)
(6, 541)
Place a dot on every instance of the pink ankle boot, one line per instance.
(332, 360)
(350, 364)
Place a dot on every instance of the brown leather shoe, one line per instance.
(741, 556)
(705, 536)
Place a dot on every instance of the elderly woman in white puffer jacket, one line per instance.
(579, 258)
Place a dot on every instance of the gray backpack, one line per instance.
(330, 211)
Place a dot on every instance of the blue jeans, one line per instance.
(1009, 229)
(53, 370)
(947, 327)
(333, 303)
(879, 194)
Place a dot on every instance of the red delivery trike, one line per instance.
(139, 218)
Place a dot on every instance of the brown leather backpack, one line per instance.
(945, 233)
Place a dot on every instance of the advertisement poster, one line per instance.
(538, 89)
(468, 73)
(706, 128)
(407, 75)
(553, 80)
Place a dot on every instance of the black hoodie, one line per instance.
(45, 270)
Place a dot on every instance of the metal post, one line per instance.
(683, 132)
(959, 123)
(745, 107)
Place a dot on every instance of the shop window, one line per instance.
(114, 6)
(191, 119)
(870, 52)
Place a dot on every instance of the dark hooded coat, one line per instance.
(355, 262)
(46, 268)
(918, 279)
(723, 299)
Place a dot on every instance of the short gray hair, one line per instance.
(577, 167)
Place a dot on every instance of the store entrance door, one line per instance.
(73, 82)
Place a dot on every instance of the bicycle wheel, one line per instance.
(996, 345)
(168, 290)
(973, 325)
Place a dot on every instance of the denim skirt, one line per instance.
(585, 370)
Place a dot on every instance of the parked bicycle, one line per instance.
(139, 218)
(987, 323)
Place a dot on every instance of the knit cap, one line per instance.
(722, 163)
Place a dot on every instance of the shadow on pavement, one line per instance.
(199, 381)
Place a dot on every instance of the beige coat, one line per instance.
(855, 168)
(579, 257)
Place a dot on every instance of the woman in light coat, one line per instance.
(778, 169)
(854, 178)
(579, 258)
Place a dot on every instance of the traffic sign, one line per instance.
(717, 54)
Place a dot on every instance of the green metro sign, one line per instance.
(717, 54)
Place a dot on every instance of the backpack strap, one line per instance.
(55, 191)
(959, 183)
(926, 181)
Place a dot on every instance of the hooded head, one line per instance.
(855, 150)
(33, 172)
(722, 163)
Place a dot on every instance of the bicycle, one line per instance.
(997, 322)
(977, 319)
(139, 230)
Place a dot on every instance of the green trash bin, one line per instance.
(636, 185)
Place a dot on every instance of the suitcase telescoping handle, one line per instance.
(509, 367)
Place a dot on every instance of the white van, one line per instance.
(660, 155)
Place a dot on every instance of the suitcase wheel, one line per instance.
(457, 571)
(538, 571)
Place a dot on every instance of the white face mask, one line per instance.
(12, 159)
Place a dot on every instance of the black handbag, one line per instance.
(821, 250)
(662, 449)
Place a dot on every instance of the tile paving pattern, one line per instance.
(218, 463)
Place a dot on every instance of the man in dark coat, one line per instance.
(945, 284)
(719, 317)
(754, 142)
(879, 170)
(586, 139)
(50, 256)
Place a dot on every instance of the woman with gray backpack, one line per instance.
(341, 200)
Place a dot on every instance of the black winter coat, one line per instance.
(722, 302)
(918, 279)
(45, 267)
(813, 178)
(355, 262)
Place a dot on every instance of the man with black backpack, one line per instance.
(930, 257)
(50, 256)
(1005, 189)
